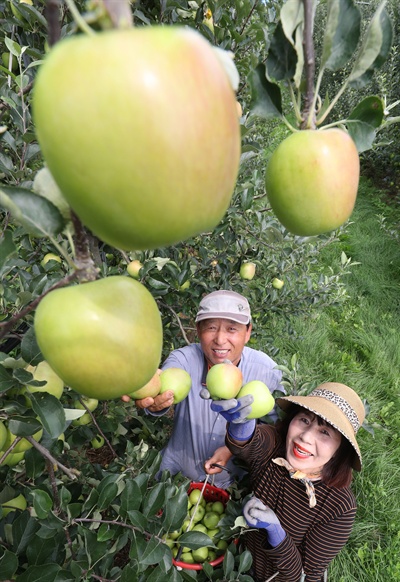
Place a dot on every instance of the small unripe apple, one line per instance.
(185, 285)
(224, 381)
(50, 257)
(152, 388)
(97, 442)
(263, 400)
(82, 420)
(247, 271)
(277, 283)
(312, 180)
(5, 57)
(176, 380)
(133, 268)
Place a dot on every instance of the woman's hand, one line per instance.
(259, 515)
(158, 403)
(220, 456)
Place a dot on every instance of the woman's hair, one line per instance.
(338, 471)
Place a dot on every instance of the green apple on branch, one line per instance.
(312, 180)
(103, 338)
(247, 271)
(277, 283)
(134, 168)
(133, 268)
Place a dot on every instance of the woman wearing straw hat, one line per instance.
(302, 510)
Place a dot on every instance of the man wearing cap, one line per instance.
(197, 441)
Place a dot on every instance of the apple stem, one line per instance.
(309, 119)
(87, 270)
(80, 21)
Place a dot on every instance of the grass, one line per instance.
(358, 344)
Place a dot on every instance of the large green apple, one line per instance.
(312, 180)
(43, 372)
(140, 130)
(103, 338)
(263, 401)
(176, 380)
(224, 381)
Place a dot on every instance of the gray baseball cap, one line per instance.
(224, 305)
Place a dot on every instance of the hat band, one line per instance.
(340, 403)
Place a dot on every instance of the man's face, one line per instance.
(222, 339)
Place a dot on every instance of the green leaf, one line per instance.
(363, 121)
(35, 463)
(370, 110)
(195, 540)
(228, 563)
(6, 380)
(131, 498)
(107, 495)
(24, 426)
(38, 216)
(24, 529)
(154, 500)
(30, 350)
(246, 561)
(7, 247)
(137, 519)
(12, 46)
(374, 50)
(154, 552)
(44, 573)
(175, 511)
(42, 503)
(8, 565)
(50, 411)
(282, 59)
(266, 98)
(342, 33)
(292, 19)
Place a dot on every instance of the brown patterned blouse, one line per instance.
(314, 536)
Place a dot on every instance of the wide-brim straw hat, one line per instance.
(338, 405)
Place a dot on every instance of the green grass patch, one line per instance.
(358, 344)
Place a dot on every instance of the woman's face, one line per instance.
(309, 445)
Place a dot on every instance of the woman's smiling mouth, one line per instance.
(299, 452)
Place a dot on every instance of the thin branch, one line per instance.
(71, 473)
(309, 62)
(114, 454)
(179, 322)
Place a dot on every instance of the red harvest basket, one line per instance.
(210, 493)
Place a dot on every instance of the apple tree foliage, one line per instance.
(99, 514)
